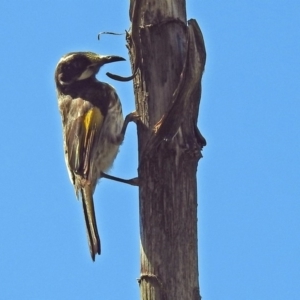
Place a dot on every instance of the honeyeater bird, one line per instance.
(93, 127)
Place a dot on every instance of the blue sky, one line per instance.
(248, 180)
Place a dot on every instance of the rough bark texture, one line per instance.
(169, 56)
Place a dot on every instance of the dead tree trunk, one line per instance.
(168, 57)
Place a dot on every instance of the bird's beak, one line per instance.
(110, 58)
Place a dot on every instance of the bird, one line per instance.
(93, 128)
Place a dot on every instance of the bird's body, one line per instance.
(79, 116)
(92, 128)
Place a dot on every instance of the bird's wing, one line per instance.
(83, 124)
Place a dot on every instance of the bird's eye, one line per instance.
(76, 64)
(67, 67)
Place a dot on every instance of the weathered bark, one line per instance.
(169, 56)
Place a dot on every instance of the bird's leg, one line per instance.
(133, 181)
(132, 117)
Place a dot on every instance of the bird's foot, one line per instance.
(132, 181)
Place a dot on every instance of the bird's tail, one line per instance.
(90, 221)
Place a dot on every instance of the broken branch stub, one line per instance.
(183, 97)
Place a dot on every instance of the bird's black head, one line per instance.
(77, 66)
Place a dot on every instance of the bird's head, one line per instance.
(77, 66)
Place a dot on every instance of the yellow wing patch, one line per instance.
(93, 119)
(82, 139)
(92, 122)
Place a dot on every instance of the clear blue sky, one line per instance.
(248, 180)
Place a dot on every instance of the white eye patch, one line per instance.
(88, 72)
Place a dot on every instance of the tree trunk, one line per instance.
(168, 57)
